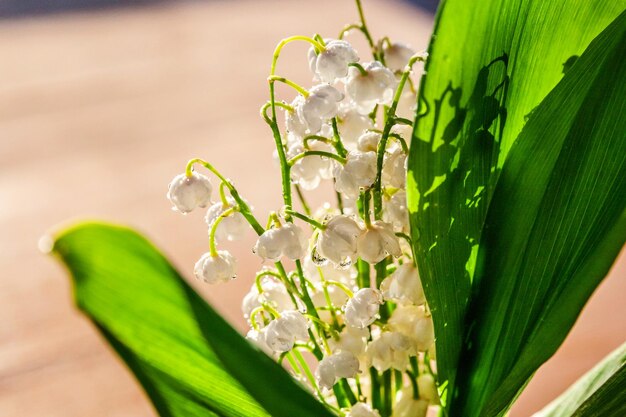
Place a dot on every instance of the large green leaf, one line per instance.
(491, 63)
(600, 392)
(555, 224)
(188, 359)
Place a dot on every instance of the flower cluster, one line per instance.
(351, 299)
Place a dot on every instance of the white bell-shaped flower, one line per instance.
(338, 365)
(288, 240)
(294, 124)
(389, 350)
(376, 86)
(187, 193)
(394, 168)
(362, 309)
(362, 410)
(282, 333)
(368, 142)
(397, 55)
(309, 171)
(407, 406)
(404, 286)
(258, 339)
(415, 323)
(232, 227)
(428, 388)
(337, 242)
(377, 242)
(395, 211)
(358, 172)
(321, 105)
(216, 269)
(352, 124)
(332, 62)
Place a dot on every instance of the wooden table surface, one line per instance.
(98, 111)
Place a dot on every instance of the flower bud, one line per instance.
(358, 172)
(230, 228)
(337, 242)
(332, 62)
(362, 309)
(338, 365)
(390, 350)
(321, 105)
(377, 242)
(288, 240)
(362, 410)
(187, 193)
(404, 286)
(397, 55)
(282, 333)
(415, 323)
(215, 269)
(375, 87)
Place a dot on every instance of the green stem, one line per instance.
(382, 145)
(341, 150)
(316, 153)
(359, 67)
(216, 222)
(318, 138)
(300, 195)
(365, 30)
(295, 86)
(306, 218)
(243, 206)
(317, 45)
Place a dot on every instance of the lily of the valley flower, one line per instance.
(362, 309)
(337, 242)
(394, 168)
(282, 333)
(215, 269)
(404, 286)
(375, 86)
(377, 242)
(397, 55)
(332, 62)
(320, 106)
(230, 228)
(187, 193)
(390, 350)
(415, 323)
(338, 365)
(358, 172)
(288, 240)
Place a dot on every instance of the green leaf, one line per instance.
(188, 359)
(600, 392)
(555, 224)
(490, 64)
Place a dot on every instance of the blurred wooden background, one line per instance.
(99, 110)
